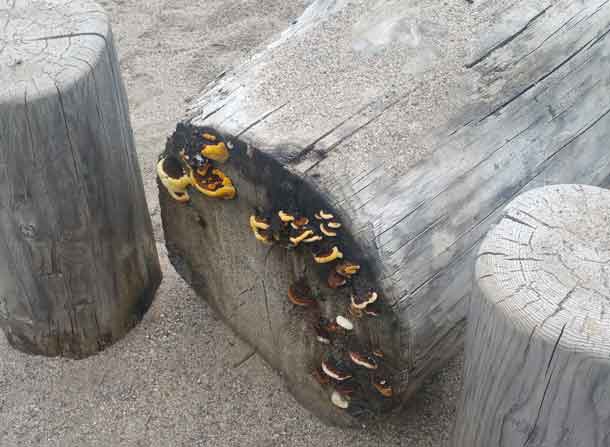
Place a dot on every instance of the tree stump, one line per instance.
(537, 367)
(78, 262)
(413, 126)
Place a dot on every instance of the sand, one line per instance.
(181, 378)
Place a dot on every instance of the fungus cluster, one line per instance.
(357, 373)
(192, 164)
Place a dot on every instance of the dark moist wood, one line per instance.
(527, 109)
(537, 349)
(78, 262)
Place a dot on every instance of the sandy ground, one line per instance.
(181, 378)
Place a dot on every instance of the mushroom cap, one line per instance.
(383, 386)
(362, 301)
(339, 401)
(300, 235)
(335, 371)
(176, 187)
(299, 222)
(325, 257)
(347, 268)
(324, 215)
(299, 294)
(213, 184)
(217, 152)
(363, 359)
(344, 323)
(285, 216)
(334, 225)
(327, 232)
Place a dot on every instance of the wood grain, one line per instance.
(78, 263)
(537, 368)
(499, 106)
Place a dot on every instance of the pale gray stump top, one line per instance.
(557, 240)
(47, 44)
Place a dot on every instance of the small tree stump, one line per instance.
(379, 113)
(537, 367)
(78, 262)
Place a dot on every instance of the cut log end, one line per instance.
(279, 265)
(537, 348)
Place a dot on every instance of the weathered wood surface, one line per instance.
(415, 125)
(78, 263)
(537, 369)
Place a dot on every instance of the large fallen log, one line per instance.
(412, 126)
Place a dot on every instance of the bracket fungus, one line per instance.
(320, 376)
(335, 280)
(363, 359)
(325, 256)
(339, 401)
(174, 177)
(335, 370)
(344, 323)
(382, 385)
(300, 294)
(212, 182)
(360, 302)
(327, 232)
(347, 269)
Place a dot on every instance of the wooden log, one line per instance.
(78, 262)
(537, 369)
(414, 126)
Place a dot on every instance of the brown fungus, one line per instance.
(285, 217)
(362, 301)
(382, 385)
(347, 268)
(335, 280)
(363, 359)
(299, 294)
(301, 236)
(299, 222)
(335, 371)
(323, 215)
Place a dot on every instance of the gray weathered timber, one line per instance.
(416, 122)
(78, 262)
(537, 369)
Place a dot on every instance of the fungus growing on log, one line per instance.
(335, 280)
(362, 301)
(299, 294)
(174, 178)
(335, 370)
(325, 256)
(382, 385)
(326, 232)
(347, 269)
(363, 359)
(412, 218)
(339, 401)
(212, 182)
